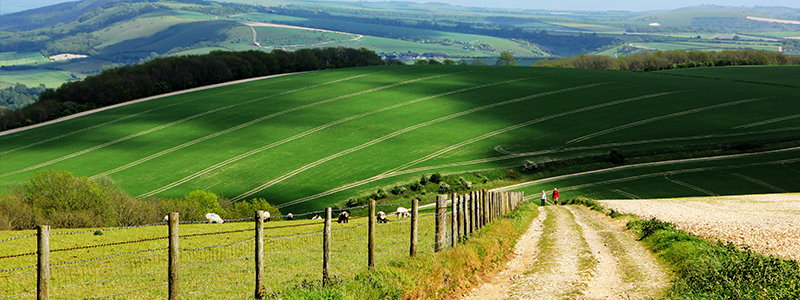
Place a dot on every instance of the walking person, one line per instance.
(544, 198)
(555, 196)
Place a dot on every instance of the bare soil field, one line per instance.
(769, 224)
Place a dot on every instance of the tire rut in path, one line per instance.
(526, 248)
(570, 252)
(625, 269)
(563, 263)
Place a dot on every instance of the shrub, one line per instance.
(247, 208)
(465, 183)
(435, 178)
(444, 187)
(529, 167)
(64, 200)
(398, 190)
(379, 194)
(415, 186)
(616, 157)
(204, 201)
(646, 228)
(423, 180)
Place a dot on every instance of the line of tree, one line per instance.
(164, 75)
(19, 95)
(676, 59)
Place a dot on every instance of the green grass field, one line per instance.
(34, 77)
(310, 140)
(782, 75)
(211, 266)
(21, 58)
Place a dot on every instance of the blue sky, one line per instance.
(631, 5)
(9, 6)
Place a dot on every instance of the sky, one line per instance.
(630, 5)
(10, 6)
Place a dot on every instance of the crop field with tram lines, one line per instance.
(306, 141)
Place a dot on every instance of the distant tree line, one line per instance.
(19, 95)
(665, 60)
(170, 74)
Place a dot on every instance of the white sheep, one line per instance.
(266, 216)
(381, 217)
(289, 216)
(316, 217)
(214, 218)
(402, 212)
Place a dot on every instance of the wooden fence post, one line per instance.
(461, 221)
(467, 215)
(259, 254)
(485, 208)
(43, 265)
(174, 221)
(326, 248)
(453, 221)
(412, 251)
(371, 239)
(441, 209)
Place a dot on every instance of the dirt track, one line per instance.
(570, 252)
(767, 223)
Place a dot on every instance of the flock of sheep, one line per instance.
(344, 216)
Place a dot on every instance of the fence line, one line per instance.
(334, 249)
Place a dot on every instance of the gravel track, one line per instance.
(769, 224)
(570, 252)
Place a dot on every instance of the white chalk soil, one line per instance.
(570, 252)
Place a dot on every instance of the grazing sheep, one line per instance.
(344, 217)
(166, 218)
(214, 218)
(316, 217)
(402, 212)
(381, 217)
(266, 216)
(289, 216)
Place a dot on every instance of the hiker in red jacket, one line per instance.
(555, 196)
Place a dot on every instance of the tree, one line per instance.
(506, 59)
(478, 62)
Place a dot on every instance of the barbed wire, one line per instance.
(18, 295)
(220, 245)
(289, 235)
(291, 250)
(17, 237)
(293, 225)
(239, 295)
(215, 233)
(17, 268)
(349, 227)
(17, 255)
(206, 262)
(106, 229)
(106, 257)
(108, 279)
(56, 266)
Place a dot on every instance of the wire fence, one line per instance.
(219, 261)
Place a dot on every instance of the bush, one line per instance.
(465, 183)
(616, 157)
(415, 186)
(204, 201)
(444, 187)
(398, 190)
(423, 180)
(61, 199)
(646, 228)
(379, 194)
(529, 167)
(435, 178)
(247, 208)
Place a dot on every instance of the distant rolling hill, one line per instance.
(308, 140)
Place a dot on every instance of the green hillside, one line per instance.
(778, 75)
(308, 140)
